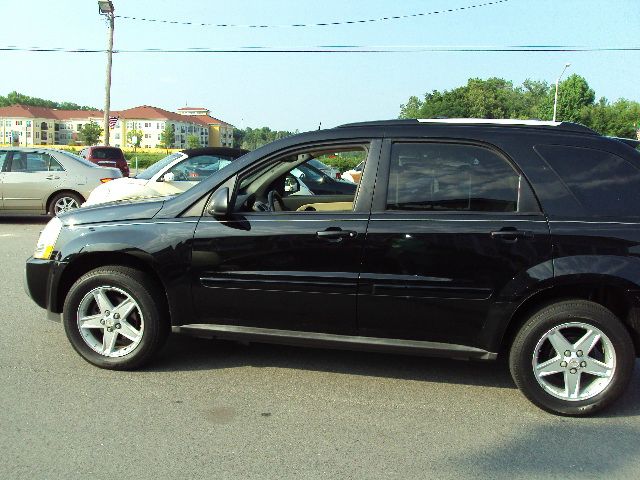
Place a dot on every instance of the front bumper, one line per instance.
(41, 281)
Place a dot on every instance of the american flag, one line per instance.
(113, 121)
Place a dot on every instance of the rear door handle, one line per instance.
(511, 235)
(335, 234)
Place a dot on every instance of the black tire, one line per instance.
(570, 312)
(149, 317)
(70, 198)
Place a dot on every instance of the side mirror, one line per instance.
(291, 184)
(168, 177)
(219, 205)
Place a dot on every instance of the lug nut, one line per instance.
(563, 364)
(109, 329)
(118, 325)
(583, 364)
(579, 353)
(102, 322)
(574, 370)
(107, 313)
(116, 316)
(567, 353)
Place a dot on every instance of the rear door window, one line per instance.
(603, 183)
(450, 177)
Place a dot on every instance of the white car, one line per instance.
(170, 176)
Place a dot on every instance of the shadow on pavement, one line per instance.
(568, 449)
(24, 219)
(183, 353)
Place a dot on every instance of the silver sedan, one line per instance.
(34, 180)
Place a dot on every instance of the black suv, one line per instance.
(464, 238)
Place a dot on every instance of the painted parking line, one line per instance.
(7, 235)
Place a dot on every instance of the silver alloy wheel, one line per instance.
(110, 321)
(64, 204)
(574, 361)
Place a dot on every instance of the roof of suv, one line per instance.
(537, 124)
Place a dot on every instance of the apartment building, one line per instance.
(27, 126)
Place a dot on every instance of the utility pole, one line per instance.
(107, 9)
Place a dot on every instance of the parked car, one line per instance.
(328, 170)
(107, 157)
(464, 239)
(34, 180)
(354, 174)
(172, 175)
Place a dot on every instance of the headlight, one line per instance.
(47, 240)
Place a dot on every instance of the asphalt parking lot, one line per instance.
(208, 409)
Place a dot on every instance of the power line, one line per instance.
(324, 24)
(340, 49)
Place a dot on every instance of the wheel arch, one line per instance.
(611, 293)
(86, 262)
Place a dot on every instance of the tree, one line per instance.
(134, 138)
(15, 98)
(193, 141)
(168, 136)
(498, 98)
(90, 133)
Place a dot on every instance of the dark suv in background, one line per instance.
(464, 239)
(107, 157)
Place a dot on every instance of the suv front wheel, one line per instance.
(573, 357)
(114, 319)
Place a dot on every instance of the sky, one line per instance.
(300, 91)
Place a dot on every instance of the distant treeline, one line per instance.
(499, 98)
(14, 98)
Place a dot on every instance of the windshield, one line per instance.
(159, 165)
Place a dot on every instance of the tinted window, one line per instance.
(432, 176)
(29, 162)
(195, 169)
(603, 183)
(3, 156)
(106, 154)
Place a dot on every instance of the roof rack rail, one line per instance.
(564, 126)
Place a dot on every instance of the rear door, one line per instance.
(3, 164)
(453, 223)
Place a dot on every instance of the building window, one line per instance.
(147, 125)
(28, 123)
(18, 122)
(28, 134)
(79, 126)
(146, 135)
(117, 136)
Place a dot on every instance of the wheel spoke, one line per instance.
(92, 321)
(599, 369)
(587, 342)
(559, 342)
(104, 304)
(126, 330)
(549, 367)
(572, 384)
(125, 308)
(109, 342)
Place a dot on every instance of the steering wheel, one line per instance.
(274, 197)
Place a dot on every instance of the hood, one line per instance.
(114, 211)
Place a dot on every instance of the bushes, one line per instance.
(145, 159)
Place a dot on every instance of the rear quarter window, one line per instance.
(604, 184)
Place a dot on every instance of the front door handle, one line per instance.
(510, 234)
(52, 177)
(335, 234)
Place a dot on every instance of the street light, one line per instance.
(555, 101)
(106, 8)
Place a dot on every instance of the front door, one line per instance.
(452, 225)
(292, 267)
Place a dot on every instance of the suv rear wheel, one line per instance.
(572, 358)
(113, 317)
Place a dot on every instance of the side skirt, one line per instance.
(326, 340)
